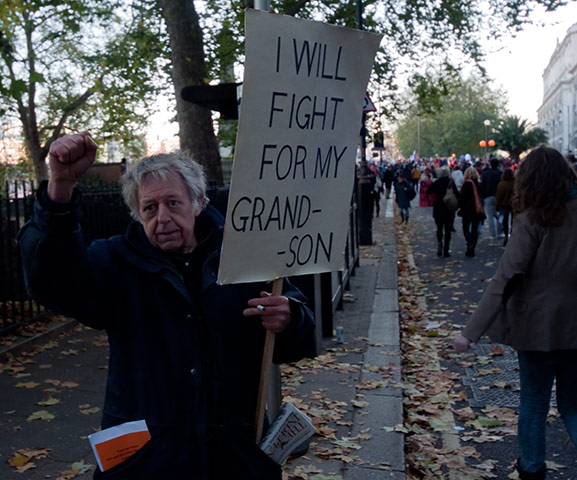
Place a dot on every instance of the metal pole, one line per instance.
(419, 135)
(269, 393)
(262, 5)
(364, 196)
(487, 122)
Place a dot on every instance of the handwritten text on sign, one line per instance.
(294, 161)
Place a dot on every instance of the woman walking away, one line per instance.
(444, 217)
(531, 301)
(471, 209)
(503, 201)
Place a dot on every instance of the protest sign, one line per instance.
(293, 170)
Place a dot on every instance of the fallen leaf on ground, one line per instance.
(70, 352)
(69, 384)
(48, 402)
(41, 415)
(77, 468)
(22, 458)
(88, 410)
(27, 385)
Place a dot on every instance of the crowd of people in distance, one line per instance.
(483, 188)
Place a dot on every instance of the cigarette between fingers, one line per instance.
(261, 308)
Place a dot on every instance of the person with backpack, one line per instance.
(443, 215)
(404, 193)
(471, 209)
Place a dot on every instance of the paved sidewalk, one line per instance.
(354, 393)
(52, 392)
(52, 395)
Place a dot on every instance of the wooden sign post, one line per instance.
(266, 369)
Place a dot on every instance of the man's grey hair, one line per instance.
(164, 166)
(443, 172)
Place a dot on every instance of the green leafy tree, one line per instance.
(516, 136)
(68, 65)
(419, 36)
(455, 124)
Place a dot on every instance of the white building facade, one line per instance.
(558, 112)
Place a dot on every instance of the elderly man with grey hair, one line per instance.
(185, 352)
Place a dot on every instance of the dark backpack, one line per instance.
(411, 194)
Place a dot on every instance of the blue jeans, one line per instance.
(489, 206)
(404, 214)
(537, 370)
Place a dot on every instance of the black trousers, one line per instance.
(444, 227)
(471, 230)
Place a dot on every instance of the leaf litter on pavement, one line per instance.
(436, 431)
(436, 427)
(23, 366)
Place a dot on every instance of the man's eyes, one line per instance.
(152, 206)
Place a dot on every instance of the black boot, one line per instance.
(439, 249)
(446, 252)
(523, 475)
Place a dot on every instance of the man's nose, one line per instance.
(163, 214)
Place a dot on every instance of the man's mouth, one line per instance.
(167, 234)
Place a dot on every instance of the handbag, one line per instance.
(450, 199)
(478, 204)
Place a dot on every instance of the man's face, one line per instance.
(168, 214)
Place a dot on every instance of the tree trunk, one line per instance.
(32, 141)
(40, 168)
(189, 68)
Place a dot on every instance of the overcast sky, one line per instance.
(517, 64)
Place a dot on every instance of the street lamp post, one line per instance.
(487, 123)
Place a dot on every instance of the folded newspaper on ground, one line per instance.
(290, 428)
(115, 444)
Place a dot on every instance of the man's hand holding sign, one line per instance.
(273, 310)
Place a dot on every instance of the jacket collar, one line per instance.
(137, 249)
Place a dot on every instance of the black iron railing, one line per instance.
(16, 306)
